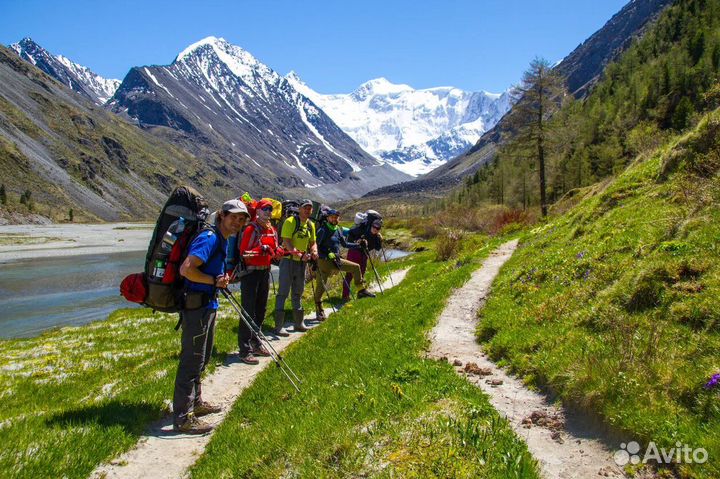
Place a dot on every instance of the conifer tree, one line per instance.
(537, 97)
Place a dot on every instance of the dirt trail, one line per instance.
(160, 453)
(565, 445)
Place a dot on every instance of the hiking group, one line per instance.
(194, 256)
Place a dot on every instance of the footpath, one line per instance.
(566, 445)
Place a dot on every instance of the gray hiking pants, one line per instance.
(292, 275)
(198, 335)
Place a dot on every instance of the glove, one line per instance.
(363, 243)
(331, 256)
(266, 249)
(279, 252)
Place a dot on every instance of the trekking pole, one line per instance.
(258, 333)
(387, 268)
(272, 280)
(327, 291)
(377, 276)
(255, 329)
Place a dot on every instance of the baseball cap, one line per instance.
(305, 202)
(235, 206)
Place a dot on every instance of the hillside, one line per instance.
(70, 154)
(614, 305)
(582, 68)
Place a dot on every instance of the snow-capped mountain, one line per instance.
(413, 130)
(77, 77)
(225, 105)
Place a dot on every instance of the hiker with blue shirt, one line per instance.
(329, 240)
(204, 273)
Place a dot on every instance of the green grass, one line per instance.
(371, 405)
(615, 306)
(76, 397)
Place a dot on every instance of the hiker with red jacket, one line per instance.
(258, 247)
(368, 237)
(204, 273)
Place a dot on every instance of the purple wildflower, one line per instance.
(580, 255)
(714, 381)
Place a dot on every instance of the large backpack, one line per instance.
(182, 218)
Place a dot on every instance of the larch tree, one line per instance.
(537, 97)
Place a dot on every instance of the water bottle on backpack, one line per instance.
(171, 235)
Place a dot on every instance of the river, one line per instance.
(37, 294)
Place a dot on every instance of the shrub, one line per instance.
(448, 244)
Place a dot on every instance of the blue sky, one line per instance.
(333, 45)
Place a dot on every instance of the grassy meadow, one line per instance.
(615, 305)
(76, 397)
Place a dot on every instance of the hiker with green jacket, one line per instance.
(204, 273)
(329, 240)
(298, 237)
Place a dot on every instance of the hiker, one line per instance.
(298, 236)
(370, 233)
(204, 273)
(329, 240)
(258, 247)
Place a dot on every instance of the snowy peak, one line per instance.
(239, 61)
(413, 130)
(76, 77)
(228, 103)
(378, 86)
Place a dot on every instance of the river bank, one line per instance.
(18, 242)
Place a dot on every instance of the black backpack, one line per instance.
(290, 208)
(182, 218)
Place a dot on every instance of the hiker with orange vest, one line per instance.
(258, 247)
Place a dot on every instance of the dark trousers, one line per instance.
(254, 288)
(196, 344)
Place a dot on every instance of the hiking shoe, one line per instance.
(203, 408)
(248, 358)
(260, 350)
(319, 313)
(281, 332)
(279, 323)
(192, 425)
(364, 293)
(299, 325)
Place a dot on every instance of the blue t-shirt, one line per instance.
(209, 247)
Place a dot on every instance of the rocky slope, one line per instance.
(76, 77)
(70, 154)
(217, 100)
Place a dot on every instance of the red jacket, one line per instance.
(251, 246)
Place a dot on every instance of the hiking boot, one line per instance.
(260, 350)
(319, 312)
(364, 293)
(298, 318)
(192, 425)
(248, 358)
(279, 323)
(203, 408)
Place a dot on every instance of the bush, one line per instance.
(448, 244)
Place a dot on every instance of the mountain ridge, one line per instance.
(414, 130)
